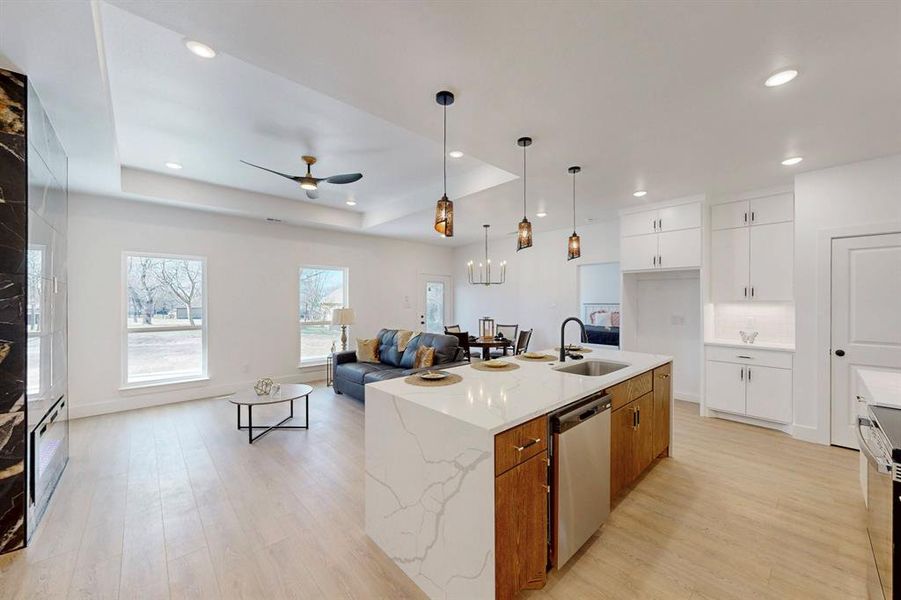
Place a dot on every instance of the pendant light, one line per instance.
(444, 210)
(574, 247)
(484, 276)
(524, 238)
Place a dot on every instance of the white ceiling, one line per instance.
(657, 95)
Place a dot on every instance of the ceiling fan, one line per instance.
(310, 183)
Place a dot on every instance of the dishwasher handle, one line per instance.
(580, 412)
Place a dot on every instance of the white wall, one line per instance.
(846, 200)
(542, 287)
(252, 292)
(599, 283)
(662, 315)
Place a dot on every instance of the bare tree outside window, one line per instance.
(321, 291)
(164, 318)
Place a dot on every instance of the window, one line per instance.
(38, 375)
(165, 319)
(322, 289)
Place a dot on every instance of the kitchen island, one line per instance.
(459, 478)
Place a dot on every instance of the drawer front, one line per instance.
(746, 356)
(519, 444)
(627, 391)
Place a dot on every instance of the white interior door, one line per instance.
(866, 320)
(435, 302)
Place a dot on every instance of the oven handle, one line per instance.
(882, 465)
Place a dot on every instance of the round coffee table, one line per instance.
(288, 392)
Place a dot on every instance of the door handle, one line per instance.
(746, 291)
(659, 261)
(749, 373)
(746, 216)
(752, 291)
(752, 216)
(654, 260)
(742, 376)
(839, 352)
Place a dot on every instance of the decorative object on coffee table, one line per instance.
(263, 386)
(288, 392)
(343, 317)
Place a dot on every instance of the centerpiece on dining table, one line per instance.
(487, 329)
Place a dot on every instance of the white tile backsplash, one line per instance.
(775, 321)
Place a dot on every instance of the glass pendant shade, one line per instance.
(574, 247)
(444, 217)
(524, 239)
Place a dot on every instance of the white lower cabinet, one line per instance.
(725, 387)
(753, 383)
(769, 393)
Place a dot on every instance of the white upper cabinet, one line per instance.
(638, 223)
(668, 238)
(679, 249)
(779, 208)
(752, 250)
(682, 216)
(730, 263)
(772, 209)
(638, 252)
(772, 260)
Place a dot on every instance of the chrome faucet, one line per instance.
(584, 337)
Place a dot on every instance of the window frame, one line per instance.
(319, 360)
(125, 384)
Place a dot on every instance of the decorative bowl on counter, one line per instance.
(433, 375)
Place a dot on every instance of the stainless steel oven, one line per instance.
(883, 503)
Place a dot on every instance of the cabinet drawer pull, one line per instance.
(531, 442)
(743, 356)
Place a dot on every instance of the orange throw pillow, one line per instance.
(368, 350)
(425, 357)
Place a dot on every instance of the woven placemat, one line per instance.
(580, 349)
(480, 366)
(545, 358)
(419, 381)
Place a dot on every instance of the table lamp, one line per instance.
(343, 317)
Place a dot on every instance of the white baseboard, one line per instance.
(687, 396)
(806, 433)
(785, 428)
(146, 397)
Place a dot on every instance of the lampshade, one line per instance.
(524, 237)
(343, 316)
(574, 247)
(444, 217)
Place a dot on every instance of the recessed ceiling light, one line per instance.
(541, 214)
(639, 193)
(780, 78)
(455, 154)
(173, 165)
(788, 162)
(351, 203)
(201, 50)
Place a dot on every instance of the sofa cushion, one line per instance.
(425, 357)
(388, 353)
(383, 375)
(356, 371)
(445, 346)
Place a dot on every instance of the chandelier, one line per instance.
(483, 277)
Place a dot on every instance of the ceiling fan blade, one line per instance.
(313, 194)
(346, 178)
(291, 177)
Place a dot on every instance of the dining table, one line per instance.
(486, 344)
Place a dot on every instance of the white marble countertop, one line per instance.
(881, 387)
(499, 401)
(782, 347)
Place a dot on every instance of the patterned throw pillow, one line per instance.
(403, 338)
(368, 350)
(425, 357)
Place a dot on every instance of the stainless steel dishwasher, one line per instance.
(581, 446)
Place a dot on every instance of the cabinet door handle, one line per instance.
(749, 373)
(744, 356)
(742, 376)
(746, 291)
(531, 442)
(752, 291)
(659, 260)
(638, 413)
(746, 216)
(634, 418)
(752, 216)
(654, 260)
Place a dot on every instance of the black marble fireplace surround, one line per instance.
(33, 214)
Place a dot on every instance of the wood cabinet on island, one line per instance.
(459, 481)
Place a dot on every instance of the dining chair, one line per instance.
(522, 344)
(463, 337)
(452, 329)
(509, 333)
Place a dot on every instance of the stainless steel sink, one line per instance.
(592, 368)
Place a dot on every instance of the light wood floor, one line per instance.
(173, 502)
